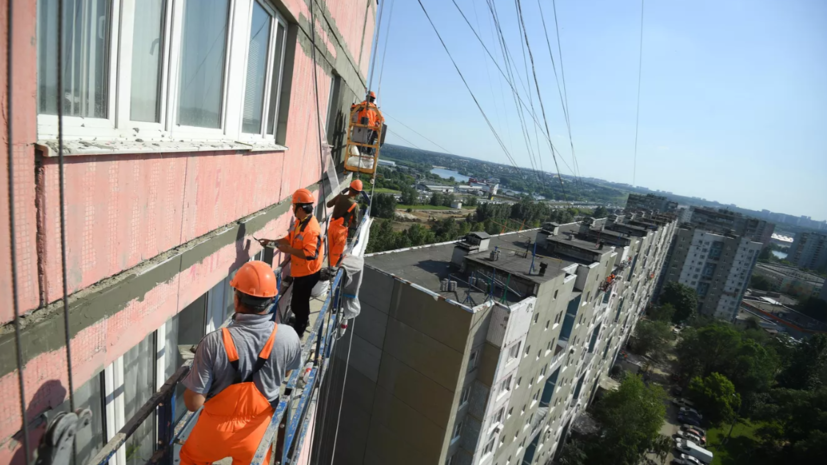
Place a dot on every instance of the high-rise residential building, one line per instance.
(484, 350)
(187, 125)
(809, 250)
(718, 266)
(726, 221)
(650, 202)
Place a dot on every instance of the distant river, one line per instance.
(779, 255)
(446, 173)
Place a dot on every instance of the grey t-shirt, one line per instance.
(211, 371)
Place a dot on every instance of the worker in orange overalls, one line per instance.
(304, 244)
(237, 374)
(368, 114)
(342, 219)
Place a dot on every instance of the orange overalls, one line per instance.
(307, 237)
(233, 422)
(337, 234)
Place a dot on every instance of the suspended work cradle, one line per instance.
(365, 135)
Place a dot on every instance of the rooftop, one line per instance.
(427, 266)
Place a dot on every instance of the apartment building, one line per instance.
(726, 221)
(650, 202)
(186, 127)
(717, 266)
(809, 250)
(484, 350)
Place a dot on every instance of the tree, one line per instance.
(761, 283)
(409, 196)
(682, 297)
(662, 446)
(384, 206)
(436, 199)
(631, 418)
(600, 212)
(807, 365)
(471, 201)
(663, 312)
(572, 454)
(715, 395)
(652, 336)
(765, 255)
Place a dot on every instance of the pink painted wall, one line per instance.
(125, 209)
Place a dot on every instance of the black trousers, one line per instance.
(300, 303)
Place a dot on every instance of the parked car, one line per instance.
(677, 461)
(689, 420)
(698, 429)
(690, 459)
(681, 402)
(689, 411)
(677, 391)
(680, 446)
(691, 435)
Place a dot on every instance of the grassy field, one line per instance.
(430, 207)
(384, 190)
(740, 448)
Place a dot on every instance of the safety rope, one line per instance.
(342, 397)
(12, 234)
(318, 113)
(384, 54)
(62, 183)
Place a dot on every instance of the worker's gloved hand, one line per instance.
(264, 242)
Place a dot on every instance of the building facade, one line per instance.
(717, 266)
(809, 250)
(790, 280)
(650, 202)
(187, 125)
(484, 350)
(725, 221)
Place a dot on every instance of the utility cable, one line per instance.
(490, 126)
(537, 85)
(385, 52)
(375, 45)
(499, 68)
(637, 111)
(406, 140)
(416, 132)
(565, 88)
(13, 232)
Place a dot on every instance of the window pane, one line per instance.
(275, 85)
(256, 69)
(203, 53)
(139, 385)
(147, 50)
(85, 57)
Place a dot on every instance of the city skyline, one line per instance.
(710, 106)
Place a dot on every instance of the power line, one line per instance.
(416, 132)
(385, 52)
(448, 52)
(537, 85)
(637, 112)
(499, 68)
(406, 140)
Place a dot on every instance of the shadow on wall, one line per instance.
(40, 410)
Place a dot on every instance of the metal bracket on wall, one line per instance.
(57, 444)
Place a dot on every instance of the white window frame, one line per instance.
(90, 127)
(505, 386)
(118, 126)
(465, 394)
(489, 447)
(514, 351)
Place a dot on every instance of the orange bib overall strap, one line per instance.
(337, 234)
(233, 422)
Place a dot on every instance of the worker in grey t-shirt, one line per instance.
(237, 373)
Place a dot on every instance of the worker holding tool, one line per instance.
(343, 219)
(237, 374)
(304, 245)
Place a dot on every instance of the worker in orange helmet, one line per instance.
(342, 219)
(237, 373)
(368, 114)
(304, 245)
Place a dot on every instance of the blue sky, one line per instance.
(733, 103)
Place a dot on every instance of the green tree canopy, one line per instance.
(814, 308)
(806, 369)
(761, 283)
(384, 206)
(631, 418)
(663, 312)
(716, 397)
(682, 297)
(652, 337)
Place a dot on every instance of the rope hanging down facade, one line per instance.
(12, 233)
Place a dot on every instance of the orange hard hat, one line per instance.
(356, 185)
(372, 95)
(255, 278)
(302, 196)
